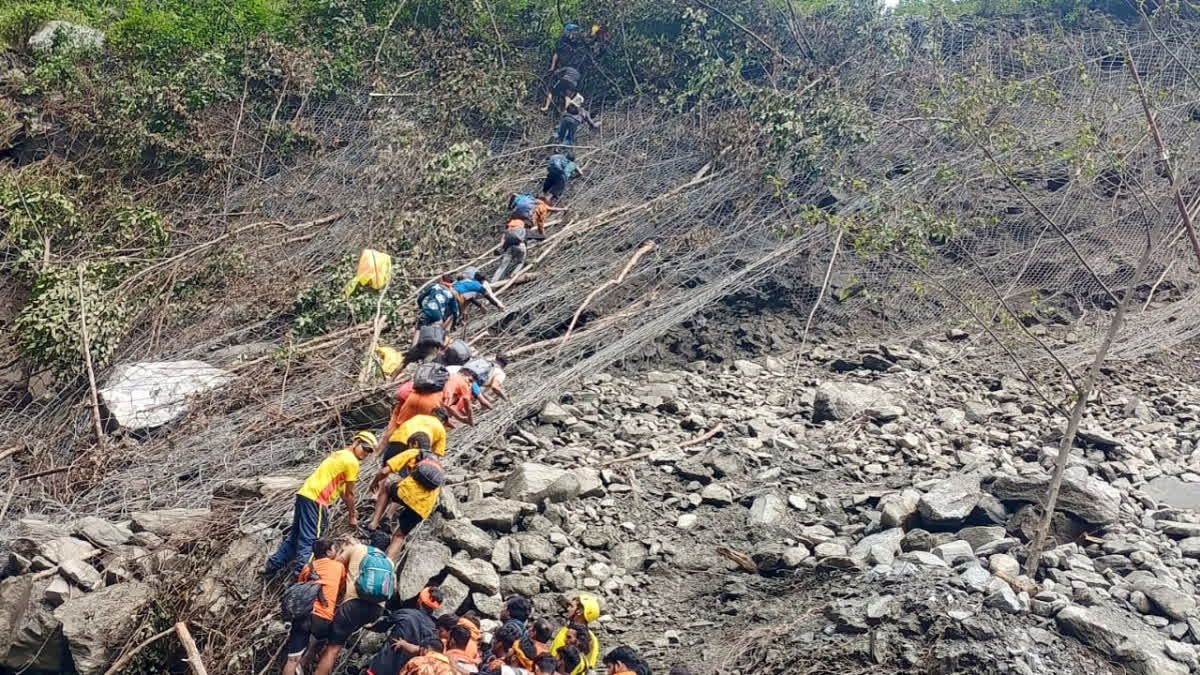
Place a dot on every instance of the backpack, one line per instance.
(456, 354)
(428, 471)
(431, 335)
(300, 598)
(480, 368)
(376, 576)
(430, 377)
(523, 206)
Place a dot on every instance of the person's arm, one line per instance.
(554, 61)
(402, 645)
(348, 497)
(491, 296)
(470, 414)
(587, 117)
(379, 476)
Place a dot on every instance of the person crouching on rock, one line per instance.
(335, 477)
(419, 478)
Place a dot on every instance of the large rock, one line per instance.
(62, 549)
(101, 532)
(767, 509)
(844, 400)
(535, 547)
(1120, 637)
(1174, 493)
(950, 501)
(151, 394)
(82, 575)
(495, 512)
(38, 646)
(97, 625)
(464, 536)
(423, 560)
(454, 594)
(258, 486)
(479, 575)
(531, 482)
(889, 540)
(629, 555)
(898, 508)
(73, 35)
(166, 522)
(1173, 604)
(15, 594)
(1086, 498)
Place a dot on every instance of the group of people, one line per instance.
(351, 581)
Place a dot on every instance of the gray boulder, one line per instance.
(767, 509)
(532, 482)
(844, 400)
(1172, 603)
(101, 532)
(62, 549)
(629, 555)
(496, 513)
(151, 394)
(898, 509)
(534, 547)
(38, 645)
(423, 560)
(97, 625)
(15, 594)
(950, 501)
(479, 575)
(1120, 637)
(464, 536)
(82, 575)
(1174, 493)
(888, 539)
(58, 592)
(454, 594)
(527, 585)
(73, 35)
(166, 522)
(553, 413)
(1086, 498)
(258, 486)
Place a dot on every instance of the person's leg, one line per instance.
(287, 548)
(381, 502)
(518, 258)
(396, 545)
(297, 641)
(328, 658)
(505, 261)
(311, 524)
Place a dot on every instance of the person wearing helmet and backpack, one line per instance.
(370, 580)
(582, 610)
(419, 479)
(335, 477)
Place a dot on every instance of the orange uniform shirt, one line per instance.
(333, 576)
(417, 403)
(457, 390)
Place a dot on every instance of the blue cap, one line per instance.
(570, 27)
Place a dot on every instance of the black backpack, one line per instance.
(430, 377)
(431, 336)
(300, 598)
(428, 471)
(456, 354)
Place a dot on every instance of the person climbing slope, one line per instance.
(513, 248)
(334, 477)
(370, 576)
(573, 115)
(408, 629)
(432, 425)
(316, 626)
(490, 375)
(560, 168)
(420, 477)
(570, 55)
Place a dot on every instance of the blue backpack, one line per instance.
(558, 165)
(523, 206)
(376, 577)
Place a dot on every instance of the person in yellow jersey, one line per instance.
(334, 478)
(581, 611)
(415, 491)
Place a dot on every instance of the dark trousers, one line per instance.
(308, 522)
(566, 130)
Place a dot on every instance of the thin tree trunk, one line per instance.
(87, 360)
(1082, 394)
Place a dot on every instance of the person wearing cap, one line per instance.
(581, 611)
(573, 115)
(334, 477)
(408, 630)
(414, 497)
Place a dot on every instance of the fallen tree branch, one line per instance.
(611, 283)
(704, 437)
(47, 472)
(128, 656)
(837, 243)
(189, 645)
(740, 559)
(87, 360)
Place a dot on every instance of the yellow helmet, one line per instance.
(590, 605)
(368, 439)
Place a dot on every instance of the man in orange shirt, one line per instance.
(457, 395)
(332, 575)
(333, 478)
(431, 661)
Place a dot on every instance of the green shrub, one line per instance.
(450, 170)
(48, 327)
(20, 20)
(31, 215)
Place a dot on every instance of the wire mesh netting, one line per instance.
(1058, 140)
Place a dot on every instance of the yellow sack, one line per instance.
(391, 359)
(374, 268)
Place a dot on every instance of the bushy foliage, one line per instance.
(49, 327)
(324, 307)
(450, 170)
(32, 218)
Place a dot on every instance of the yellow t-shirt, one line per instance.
(326, 483)
(414, 495)
(588, 660)
(426, 424)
